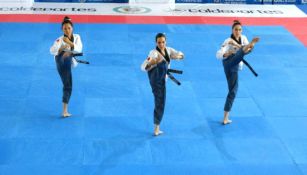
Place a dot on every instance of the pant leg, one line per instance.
(160, 97)
(157, 82)
(232, 81)
(64, 70)
(233, 61)
(231, 68)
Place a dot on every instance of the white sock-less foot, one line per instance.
(225, 122)
(67, 114)
(156, 133)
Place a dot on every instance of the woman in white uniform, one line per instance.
(232, 53)
(61, 49)
(156, 65)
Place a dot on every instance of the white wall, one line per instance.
(16, 1)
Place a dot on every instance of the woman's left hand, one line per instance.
(66, 40)
(180, 55)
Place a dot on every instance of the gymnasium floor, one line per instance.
(110, 131)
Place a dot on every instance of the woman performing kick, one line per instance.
(156, 65)
(61, 49)
(232, 53)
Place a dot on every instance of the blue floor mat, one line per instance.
(110, 131)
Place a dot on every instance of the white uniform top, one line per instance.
(60, 42)
(153, 54)
(229, 47)
(54, 50)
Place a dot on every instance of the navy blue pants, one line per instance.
(157, 82)
(231, 68)
(64, 68)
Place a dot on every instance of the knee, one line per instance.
(232, 94)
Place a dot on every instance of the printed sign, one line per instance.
(132, 9)
(181, 9)
(89, 1)
(245, 1)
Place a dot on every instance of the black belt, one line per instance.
(79, 61)
(169, 71)
(250, 67)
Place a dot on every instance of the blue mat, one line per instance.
(110, 131)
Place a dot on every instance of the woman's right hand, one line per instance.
(153, 61)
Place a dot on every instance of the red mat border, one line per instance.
(297, 26)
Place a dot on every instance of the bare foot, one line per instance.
(157, 130)
(66, 114)
(255, 40)
(156, 133)
(251, 45)
(225, 122)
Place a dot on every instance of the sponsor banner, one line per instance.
(239, 1)
(106, 1)
(55, 1)
(230, 10)
(87, 1)
(224, 1)
(304, 1)
(192, 1)
(243, 1)
(287, 2)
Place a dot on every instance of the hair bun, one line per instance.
(66, 18)
(236, 21)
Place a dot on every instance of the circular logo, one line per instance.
(131, 10)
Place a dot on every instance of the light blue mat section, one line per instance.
(110, 131)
